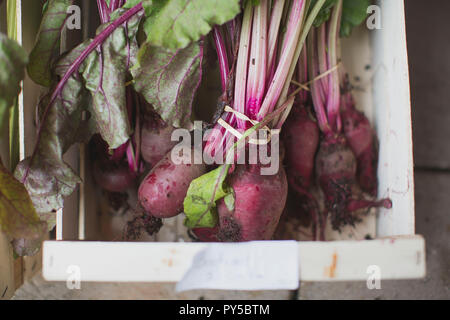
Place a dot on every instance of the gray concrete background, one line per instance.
(428, 30)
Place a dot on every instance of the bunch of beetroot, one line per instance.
(344, 159)
(265, 69)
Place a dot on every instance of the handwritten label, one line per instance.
(258, 265)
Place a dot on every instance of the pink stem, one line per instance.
(103, 11)
(356, 204)
(115, 4)
(333, 101)
(322, 55)
(303, 74)
(258, 61)
(131, 158)
(272, 41)
(223, 58)
(316, 85)
(242, 63)
(281, 74)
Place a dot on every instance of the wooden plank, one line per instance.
(397, 258)
(7, 283)
(18, 272)
(32, 265)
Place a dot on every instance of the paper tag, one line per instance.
(259, 265)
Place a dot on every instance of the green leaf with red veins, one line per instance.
(48, 179)
(105, 73)
(175, 24)
(47, 47)
(13, 60)
(168, 80)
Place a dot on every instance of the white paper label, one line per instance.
(258, 265)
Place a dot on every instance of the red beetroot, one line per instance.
(259, 202)
(206, 234)
(163, 190)
(336, 174)
(364, 144)
(301, 138)
(113, 176)
(156, 140)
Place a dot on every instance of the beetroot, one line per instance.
(336, 174)
(364, 144)
(206, 234)
(163, 190)
(113, 176)
(301, 139)
(259, 202)
(155, 139)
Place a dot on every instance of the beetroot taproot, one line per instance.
(259, 202)
(155, 138)
(163, 190)
(336, 174)
(364, 144)
(206, 234)
(301, 139)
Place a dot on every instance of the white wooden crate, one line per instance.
(399, 253)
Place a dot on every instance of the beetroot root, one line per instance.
(163, 190)
(336, 174)
(113, 176)
(156, 142)
(259, 202)
(206, 234)
(301, 138)
(364, 144)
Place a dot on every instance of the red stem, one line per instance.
(103, 11)
(223, 58)
(316, 86)
(115, 4)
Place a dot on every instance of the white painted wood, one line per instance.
(397, 258)
(393, 120)
(7, 285)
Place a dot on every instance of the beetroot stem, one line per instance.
(222, 56)
(258, 61)
(275, 21)
(115, 4)
(318, 101)
(322, 55)
(242, 63)
(286, 58)
(103, 11)
(333, 101)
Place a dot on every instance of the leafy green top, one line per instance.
(13, 60)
